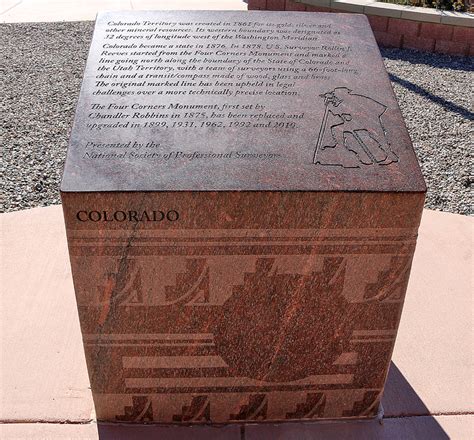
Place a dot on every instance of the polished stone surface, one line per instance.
(235, 311)
(208, 289)
(220, 100)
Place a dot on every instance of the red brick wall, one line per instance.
(395, 32)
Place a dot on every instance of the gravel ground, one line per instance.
(42, 65)
(435, 95)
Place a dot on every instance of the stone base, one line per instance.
(256, 316)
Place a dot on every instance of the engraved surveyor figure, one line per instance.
(352, 134)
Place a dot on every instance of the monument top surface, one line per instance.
(219, 100)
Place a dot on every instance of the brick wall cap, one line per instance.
(350, 5)
(383, 9)
(413, 13)
(457, 18)
(421, 14)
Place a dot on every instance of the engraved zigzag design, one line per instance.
(192, 286)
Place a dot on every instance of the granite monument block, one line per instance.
(242, 201)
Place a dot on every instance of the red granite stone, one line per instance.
(239, 268)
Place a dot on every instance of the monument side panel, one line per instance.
(239, 306)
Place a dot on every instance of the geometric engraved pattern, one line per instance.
(367, 406)
(312, 408)
(198, 410)
(140, 411)
(205, 330)
(390, 282)
(256, 409)
(192, 286)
